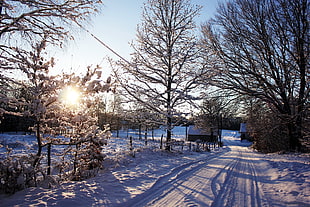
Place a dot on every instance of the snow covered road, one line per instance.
(232, 176)
(226, 179)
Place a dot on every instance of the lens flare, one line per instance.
(70, 96)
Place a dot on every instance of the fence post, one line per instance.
(212, 138)
(132, 153)
(153, 134)
(140, 133)
(130, 143)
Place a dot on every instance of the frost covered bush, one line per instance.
(88, 157)
(83, 139)
(80, 160)
(17, 173)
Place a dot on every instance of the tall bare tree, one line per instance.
(262, 50)
(165, 65)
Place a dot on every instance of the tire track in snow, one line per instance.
(175, 177)
(237, 183)
(222, 190)
(257, 189)
(224, 179)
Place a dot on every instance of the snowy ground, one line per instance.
(231, 176)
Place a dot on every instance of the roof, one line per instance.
(193, 130)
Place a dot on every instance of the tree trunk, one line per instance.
(49, 158)
(168, 140)
(169, 85)
(295, 134)
(38, 155)
(1, 5)
(169, 113)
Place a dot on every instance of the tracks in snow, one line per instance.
(166, 183)
(225, 179)
(238, 184)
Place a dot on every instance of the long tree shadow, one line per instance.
(103, 190)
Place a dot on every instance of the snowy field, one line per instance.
(234, 175)
(21, 143)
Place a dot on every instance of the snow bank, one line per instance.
(289, 179)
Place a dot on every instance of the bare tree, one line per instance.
(23, 22)
(216, 106)
(165, 66)
(262, 50)
(21, 19)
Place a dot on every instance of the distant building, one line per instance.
(194, 134)
(244, 131)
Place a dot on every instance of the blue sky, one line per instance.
(116, 27)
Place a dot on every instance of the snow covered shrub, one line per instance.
(88, 157)
(305, 141)
(267, 129)
(17, 173)
(76, 122)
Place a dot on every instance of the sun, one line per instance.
(70, 96)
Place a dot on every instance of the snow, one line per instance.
(234, 175)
